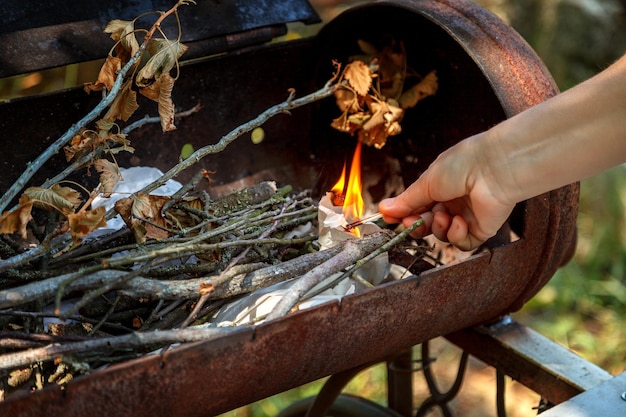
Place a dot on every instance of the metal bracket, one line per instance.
(542, 365)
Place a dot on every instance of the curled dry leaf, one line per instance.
(63, 199)
(426, 87)
(359, 76)
(373, 111)
(123, 32)
(161, 92)
(106, 76)
(206, 288)
(390, 61)
(142, 214)
(124, 104)
(385, 122)
(16, 220)
(164, 56)
(77, 145)
(346, 100)
(85, 222)
(109, 175)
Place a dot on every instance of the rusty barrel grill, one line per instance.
(487, 73)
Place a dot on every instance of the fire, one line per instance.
(353, 205)
(338, 189)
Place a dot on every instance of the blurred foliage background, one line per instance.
(583, 307)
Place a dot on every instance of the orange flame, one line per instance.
(353, 205)
(338, 189)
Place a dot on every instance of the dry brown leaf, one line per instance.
(206, 288)
(135, 210)
(367, 48)
(124, 105)
(104, 127)
(122, 140)
(164, 56)
(109, 175)
(16, 220)
(359, 76)
(206, 174)
(107, 75)
(122, 31)
(85, 222)
(425, 88)
(76, 146)
(385, 122)
(124, 207)
(161, 92)
(341, 123)
(346, 100)
(63, 199)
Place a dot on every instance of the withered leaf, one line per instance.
(367, 48)
(206, 174)
(164, 56)
(109, 175)
(346, 100)
(206, 288)
(426, 87)
(161, 92)
(76, 145)
(358, 74)
(122, 140)
(135, 210)
(16, 220)
(385, 122)
(124, 105)
(389, 63)
(104, 126)
(85, 222)
(106, 76)
(122, 31)
(341, 123)
(63, 199)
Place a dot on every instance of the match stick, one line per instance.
(372, 218)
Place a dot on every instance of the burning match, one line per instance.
(372, 218)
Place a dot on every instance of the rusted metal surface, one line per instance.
(209, 378)
(486, 72)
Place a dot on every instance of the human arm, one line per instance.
(469, 191)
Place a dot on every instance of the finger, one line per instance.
(411, 201)
(459, 235)
(441, 224)
(424, 229)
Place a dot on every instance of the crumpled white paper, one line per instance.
(255, 306)
(134, 179)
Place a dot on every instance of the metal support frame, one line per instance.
(542, 365)
(567, 383)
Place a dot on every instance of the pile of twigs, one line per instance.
(114, 299)
(69, 305)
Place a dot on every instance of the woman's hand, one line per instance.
(458, 200)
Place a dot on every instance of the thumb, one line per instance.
(413, 200)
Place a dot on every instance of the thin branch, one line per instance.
(384, 248)
(85, 159)
(133, 340)
(352, 250)
(33, 167)
(226, 140)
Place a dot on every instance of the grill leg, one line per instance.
(400, 383)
